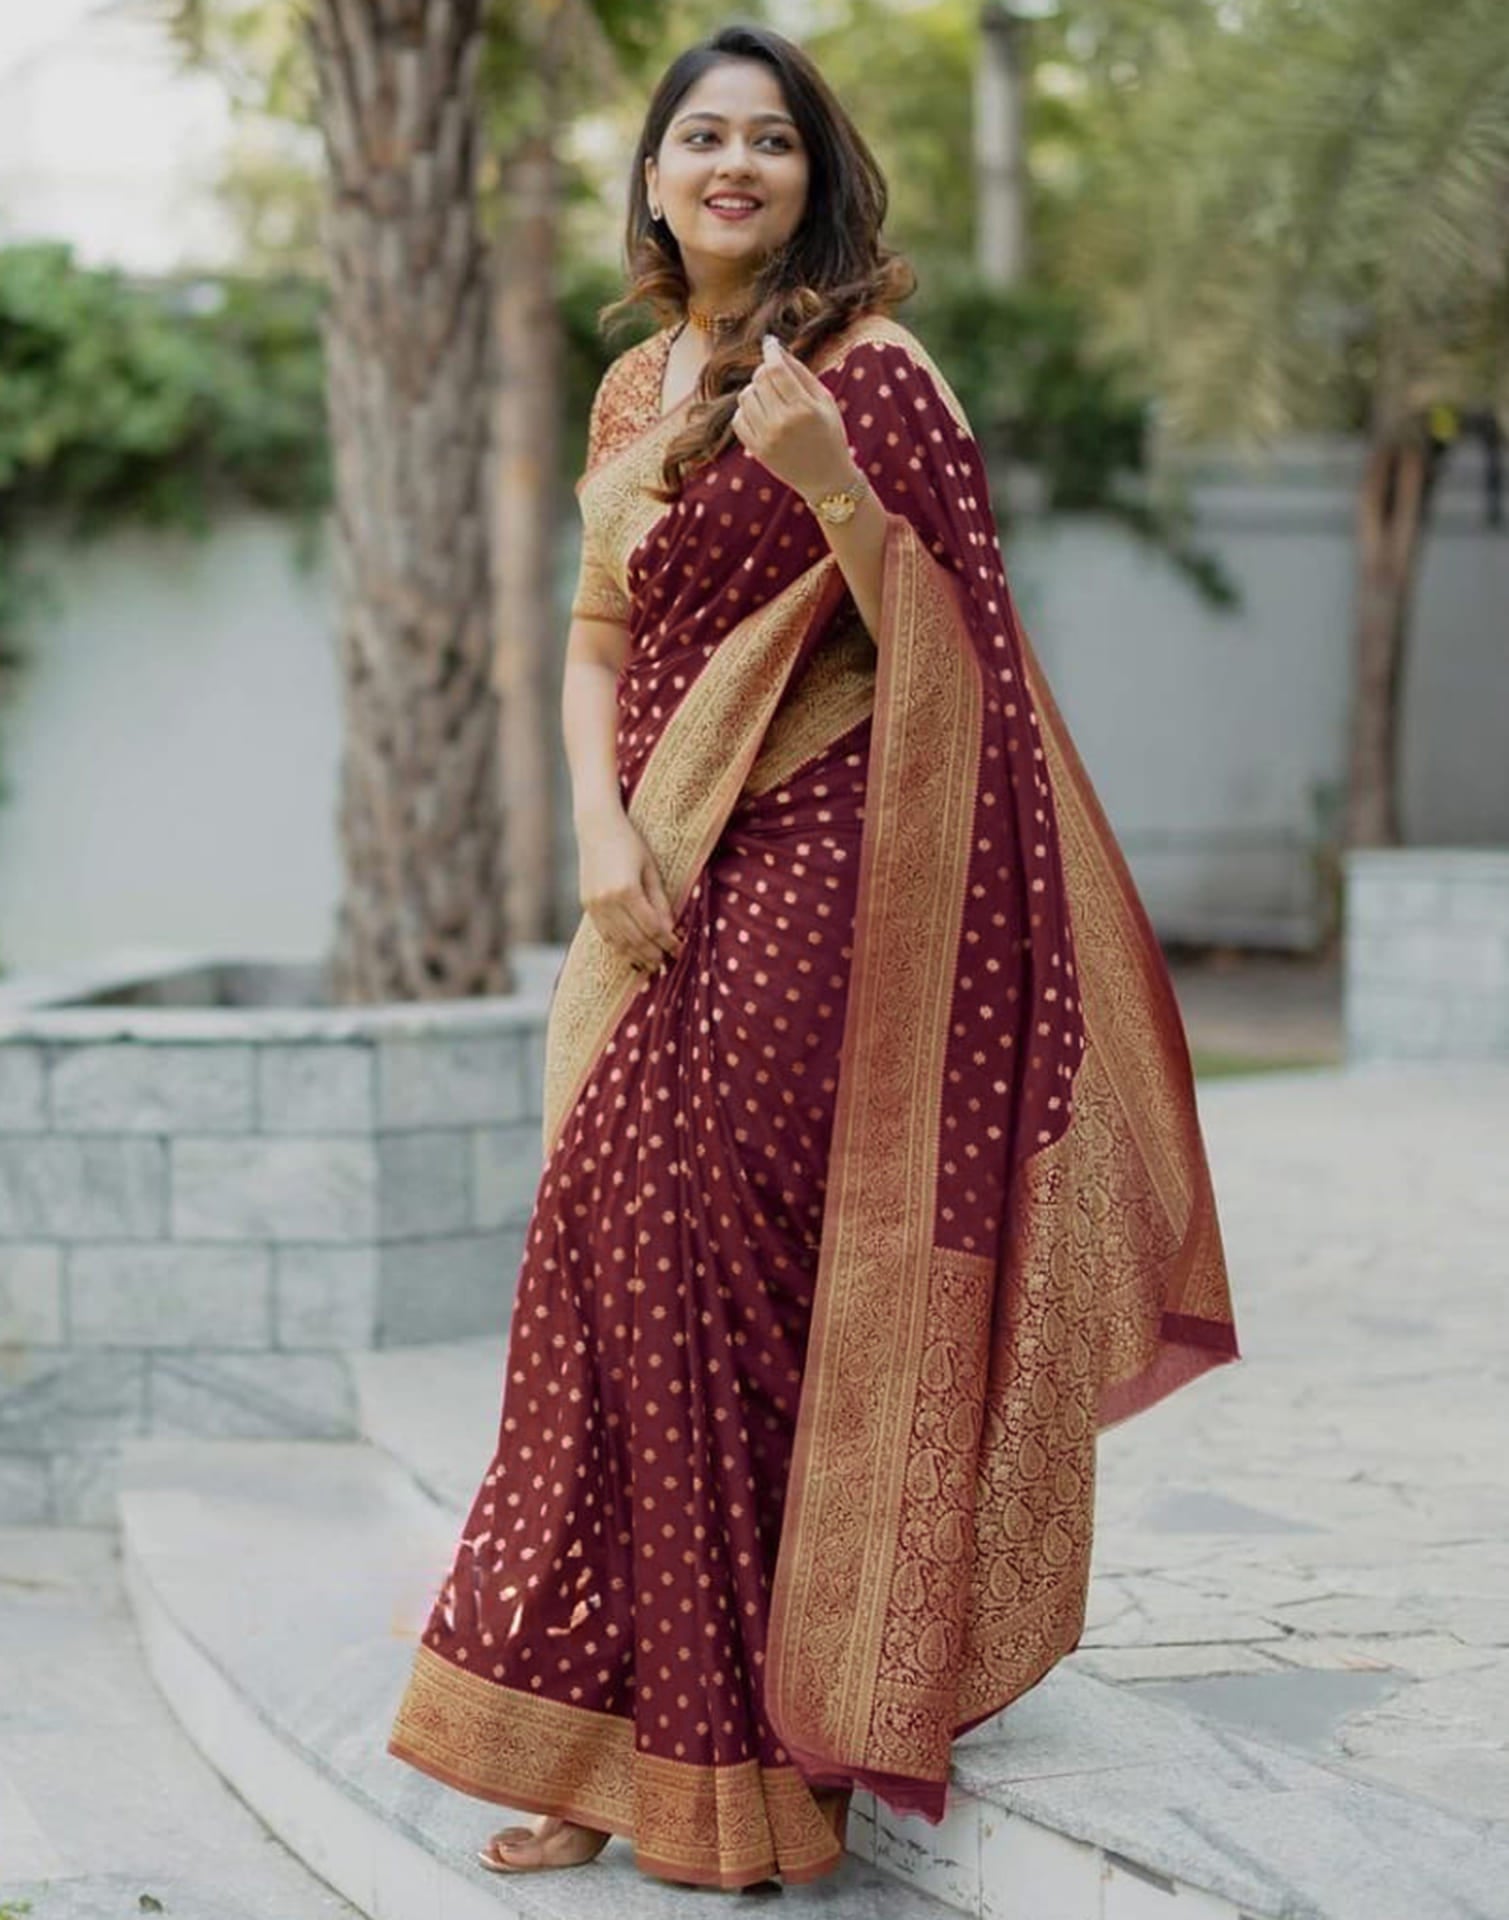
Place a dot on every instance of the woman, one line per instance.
(873, 1184)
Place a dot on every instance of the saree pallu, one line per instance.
(858, 1220)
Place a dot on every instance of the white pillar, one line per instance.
(1000, 147)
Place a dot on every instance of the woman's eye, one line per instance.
(779, 138)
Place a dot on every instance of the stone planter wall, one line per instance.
(201, 1212)
(1427, 954)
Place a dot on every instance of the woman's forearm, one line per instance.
(858, 545)
(589, 725)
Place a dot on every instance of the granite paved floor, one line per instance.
(1313, 1543)
(104, 1804)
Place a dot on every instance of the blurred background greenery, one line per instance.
(1224, 219)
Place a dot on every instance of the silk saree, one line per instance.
(858, 1220)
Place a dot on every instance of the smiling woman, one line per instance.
(881, 1189)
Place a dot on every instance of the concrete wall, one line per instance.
(1218, 741)
(172, 757)
(1427, 954)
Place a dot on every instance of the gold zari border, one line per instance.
(719, 1826)
(686, 791)
(935, 1547)
(828, 1688)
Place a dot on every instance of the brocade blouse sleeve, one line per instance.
(598, 595)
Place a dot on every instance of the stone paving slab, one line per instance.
(1312, 1546)
(103, 1799)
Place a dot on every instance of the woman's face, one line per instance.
(730, 134)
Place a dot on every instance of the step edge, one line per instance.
(155, 1614)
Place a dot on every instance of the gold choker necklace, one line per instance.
(715, 322)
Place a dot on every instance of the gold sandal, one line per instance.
(540, 1837)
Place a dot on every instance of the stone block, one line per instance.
(942, 1860)
(1132, 1894)
(138, 1087)
(303, 1396)
(448, 1289)
(53, 1400)
(319, 1087)
(1476, 1026)
(1474, 959)
(87, 1188)
(1480, 903)
(1025, 1869)
(534, 1072)
(455, 1080)
(506, 1166)
(23, 1088)
(170, 1296)
(325, 1296)
(31, 1302)
(320, 1189)
(25, 1492)
(84, 1487)
(423, 1183)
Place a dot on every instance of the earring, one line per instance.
(655, 213)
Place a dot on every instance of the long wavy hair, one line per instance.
(832, 269)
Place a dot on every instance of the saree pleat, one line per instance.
(857, 1221)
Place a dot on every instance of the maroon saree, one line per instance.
(858, 1220)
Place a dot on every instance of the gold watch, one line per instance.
(839, 506)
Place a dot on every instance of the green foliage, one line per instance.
(154, 404)
(149, 405)
(906, 77)
(1037, 391)
(1021, 366)
(1297, 214)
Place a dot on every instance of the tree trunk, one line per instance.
(1390, 516)
(525, 505)
(423, 912)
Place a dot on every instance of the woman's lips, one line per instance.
(731, 213)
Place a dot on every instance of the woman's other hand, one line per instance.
(622, 891)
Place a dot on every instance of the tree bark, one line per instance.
(525, 506)
(423, 910)
(1391, 505)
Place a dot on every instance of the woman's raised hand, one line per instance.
(792, 424)
(623, 894)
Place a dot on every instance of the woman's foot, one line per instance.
(554, 1842)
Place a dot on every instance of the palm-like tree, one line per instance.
(441, 123)
(422, 913)
(1305, 220)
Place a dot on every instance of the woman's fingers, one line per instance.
(660, 907)
(625, 937)
(629, 923)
